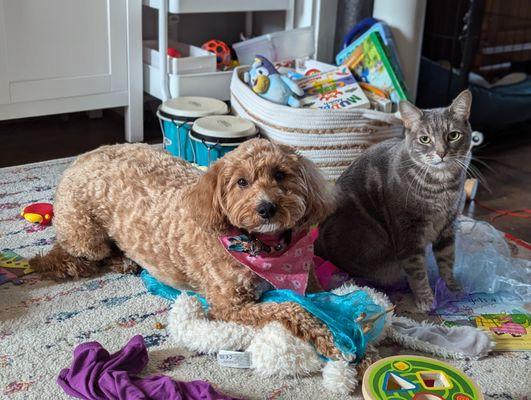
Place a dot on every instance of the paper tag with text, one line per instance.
(234, 359)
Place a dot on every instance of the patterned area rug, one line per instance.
(42, 321)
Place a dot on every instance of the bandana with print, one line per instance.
(282, 260)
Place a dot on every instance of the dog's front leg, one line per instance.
(299, 322)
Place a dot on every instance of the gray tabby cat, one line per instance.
(400, 196)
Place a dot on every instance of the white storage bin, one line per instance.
(277, 46)
(194, 60)
(210, 84)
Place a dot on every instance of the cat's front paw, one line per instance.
(453, 285)
(424, 303)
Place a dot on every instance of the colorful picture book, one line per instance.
(501, 315)
(336, 89)
(370, 63)
(510, 331)
(13, 267)
(387, 38)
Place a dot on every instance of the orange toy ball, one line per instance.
(221, 50)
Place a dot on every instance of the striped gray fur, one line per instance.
(400, 196)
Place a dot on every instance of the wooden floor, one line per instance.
(506, 181)
(45, 138)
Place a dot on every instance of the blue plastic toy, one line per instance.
(266, 81)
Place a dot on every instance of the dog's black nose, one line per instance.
(266, 209)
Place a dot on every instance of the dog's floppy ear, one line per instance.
(320, 198)
(204, 200)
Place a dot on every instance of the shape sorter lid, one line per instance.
(190, 108)
(223, 128)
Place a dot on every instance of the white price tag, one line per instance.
(234, 359)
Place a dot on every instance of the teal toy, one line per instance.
(266, 81)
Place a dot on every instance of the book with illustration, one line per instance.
(500, 314)
(13, 267)
(387, 38)
(510, 332)
(370, 63)
(335, 89)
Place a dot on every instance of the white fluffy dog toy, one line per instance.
(275, 352)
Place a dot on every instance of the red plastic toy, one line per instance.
(221, 50)
(173, 52)
(41, 213)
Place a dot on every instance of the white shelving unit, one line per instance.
(213, 6)
(163, 85)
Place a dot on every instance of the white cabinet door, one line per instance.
(4, 81)
(61, 48)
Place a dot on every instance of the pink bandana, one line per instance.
(285, 266)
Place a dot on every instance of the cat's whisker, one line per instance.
(484, 164)
(407, 164)
(415, 181)
(426, 170)
(480, 177)
(473, 172)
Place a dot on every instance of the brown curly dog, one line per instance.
(167, 216)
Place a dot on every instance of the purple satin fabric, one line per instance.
(97, 375)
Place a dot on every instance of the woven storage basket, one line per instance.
(330, 138)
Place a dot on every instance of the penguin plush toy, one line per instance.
(265, 81)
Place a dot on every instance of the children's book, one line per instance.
(13, 267)
(510, 332)
(370, 63)
(499, 314)
(387, 38)
(336, 89)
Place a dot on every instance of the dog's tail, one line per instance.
(59, 264)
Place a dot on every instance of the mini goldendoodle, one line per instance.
(167, 216)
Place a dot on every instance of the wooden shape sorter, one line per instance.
(417, 378)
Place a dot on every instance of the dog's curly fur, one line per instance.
(167, 216)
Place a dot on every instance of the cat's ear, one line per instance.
(410, 114)
(460, 107)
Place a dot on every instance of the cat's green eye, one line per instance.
(424, 139)
(453, 136)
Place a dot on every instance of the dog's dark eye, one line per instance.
(242, 182)
(279, 175)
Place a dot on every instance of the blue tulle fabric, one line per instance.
(338, 312)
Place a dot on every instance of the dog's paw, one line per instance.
(123, 265)
(326, 347)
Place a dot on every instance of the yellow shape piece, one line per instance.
(32, 217)
(400, 365)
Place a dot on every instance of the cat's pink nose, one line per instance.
(441, 154)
